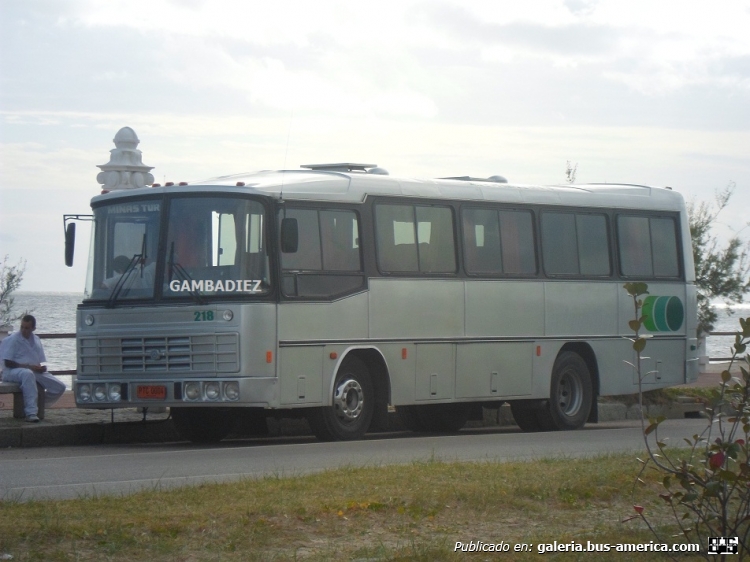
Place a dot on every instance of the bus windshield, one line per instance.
(214, 246)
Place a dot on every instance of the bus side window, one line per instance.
(559, 244)
(664, 247)
(397, 249)
(593, 244)
(308, 255)
(437, 253)
(575, 244)
(340, 234)
(517, 234)
(647, 246)
(482, 241)
(634, 242)
(499, 242)
(415, 239)
(327, 261)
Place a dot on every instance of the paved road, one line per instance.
(70, 472)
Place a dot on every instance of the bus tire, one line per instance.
(571, 393)
(353, 405)
(202, 425)
(435, 418)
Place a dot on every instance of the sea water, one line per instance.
(55, 313)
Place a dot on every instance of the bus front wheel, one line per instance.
(202, 425)
(349, 416)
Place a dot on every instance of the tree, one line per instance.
(10, 279)
(721, 271)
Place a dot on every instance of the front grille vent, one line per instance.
(203, 353)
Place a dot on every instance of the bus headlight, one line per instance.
(232, 391)
(84, 393)
(192, 390)
(100, 393)
(114, 392)
(212, 391)
(228, 315)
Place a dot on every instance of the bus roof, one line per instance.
(355, 186)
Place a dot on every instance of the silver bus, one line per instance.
(337, 291)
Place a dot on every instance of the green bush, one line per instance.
(707, 488)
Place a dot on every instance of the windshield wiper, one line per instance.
(135, 260)
(174, 266)
(123, 278)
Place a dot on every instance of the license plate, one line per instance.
(152, 392)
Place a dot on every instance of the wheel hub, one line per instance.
(570, 394)
(348, 400)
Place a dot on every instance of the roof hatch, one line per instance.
(493, 179)
(347, 167)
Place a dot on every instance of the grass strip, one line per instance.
(410, 512)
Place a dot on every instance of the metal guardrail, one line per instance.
(56, 336)
(59, 337)
(720, 359)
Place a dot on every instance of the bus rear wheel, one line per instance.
(437, 418)
(349, 416)
(571, 393)
(570, 402)
(203, 425)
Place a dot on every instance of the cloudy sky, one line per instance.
(646, 92)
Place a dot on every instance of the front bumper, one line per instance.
(208, 391)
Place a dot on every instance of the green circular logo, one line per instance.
(663, 314)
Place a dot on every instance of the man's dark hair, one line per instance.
(29, 318)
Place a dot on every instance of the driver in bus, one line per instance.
(135, 280)
(119, 265)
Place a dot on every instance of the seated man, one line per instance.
(22, 356)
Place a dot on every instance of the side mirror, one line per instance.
(289, 236)
(70, 243)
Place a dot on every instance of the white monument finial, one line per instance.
(125, 169)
